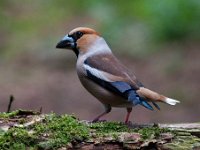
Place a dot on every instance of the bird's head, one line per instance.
(79, 40)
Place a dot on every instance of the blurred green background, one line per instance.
(157, 40)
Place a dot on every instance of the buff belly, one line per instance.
(103, 95)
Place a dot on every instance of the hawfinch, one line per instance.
(105, 77)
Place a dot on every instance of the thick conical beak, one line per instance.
(66, 43)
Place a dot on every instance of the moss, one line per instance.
(18, 113)
(53, 132)
(9, 115)
(184, 142)
(109, 127)
(60, 130)
(17, 138)
(25, 131)
(103, 131)
(152, 132)
(113, 127)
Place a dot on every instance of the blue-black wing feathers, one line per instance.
(123, 89)
(156, 105)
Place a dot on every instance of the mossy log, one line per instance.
(31, 130)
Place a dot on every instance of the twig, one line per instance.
(40, 109)
(10, 103)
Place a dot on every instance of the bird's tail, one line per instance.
(171, 101)
(155, 97)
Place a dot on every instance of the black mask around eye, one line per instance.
(77, 35)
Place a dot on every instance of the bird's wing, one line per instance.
(109, 73)
(112, 68)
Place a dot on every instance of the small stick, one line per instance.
(10, 103)
(40, 109)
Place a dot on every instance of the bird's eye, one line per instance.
(79, 34)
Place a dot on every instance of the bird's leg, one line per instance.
(107, 110)
(128, 114)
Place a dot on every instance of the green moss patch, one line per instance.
(30, 130)
(108, 127)
(50, 132)
(18, 113)
(152, 132)
(60, 130)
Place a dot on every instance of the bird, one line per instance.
(105, 77)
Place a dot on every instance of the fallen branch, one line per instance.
(32, 130)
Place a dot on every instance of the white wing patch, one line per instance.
(97, 73)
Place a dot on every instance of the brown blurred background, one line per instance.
(157, 40)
